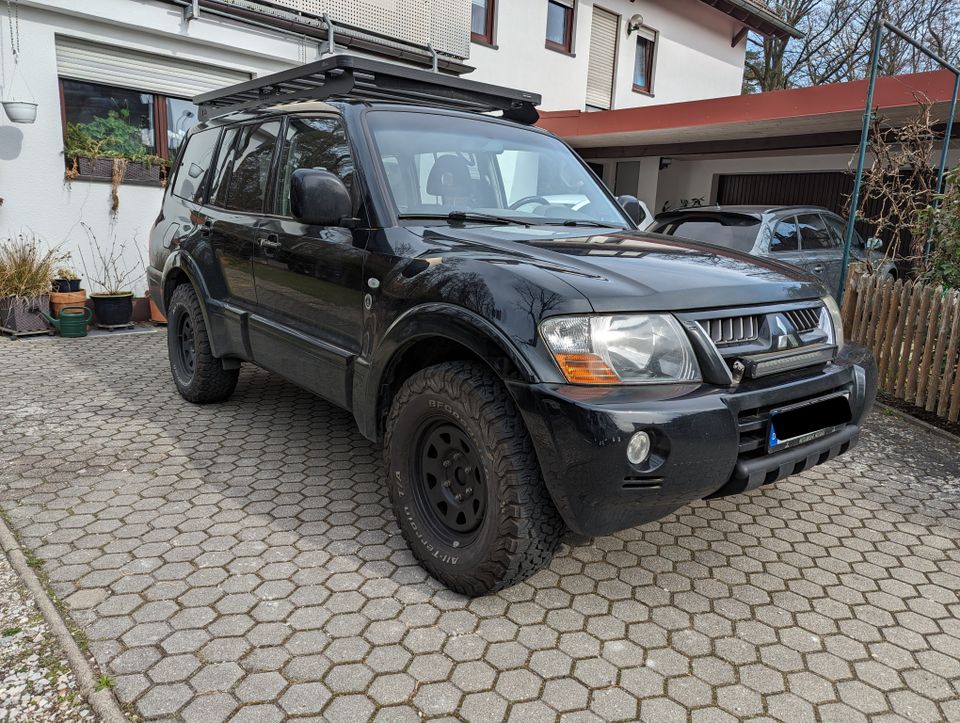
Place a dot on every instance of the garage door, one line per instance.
(828, 189)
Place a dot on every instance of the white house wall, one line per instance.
(694, 58)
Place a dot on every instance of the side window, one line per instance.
(319, 143)
(244, 171)
(194, 163)
(785, 236)
(219, 172)
(838, 230)
(814, 235)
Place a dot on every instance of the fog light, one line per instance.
(639, 448)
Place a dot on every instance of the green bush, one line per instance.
(109, 136)
(943, 266)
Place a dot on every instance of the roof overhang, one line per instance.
(800, 117)
(757, 17)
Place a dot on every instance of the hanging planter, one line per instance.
(20, 111)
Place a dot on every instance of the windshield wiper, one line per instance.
(462, 216)
(583, 222)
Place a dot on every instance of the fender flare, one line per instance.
(431, 321)
(178, 263)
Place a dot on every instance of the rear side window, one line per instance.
(732, 232)
(194, 163)
(814, 235)
(785, 236)
(243, 171)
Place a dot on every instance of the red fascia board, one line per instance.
(891, 92)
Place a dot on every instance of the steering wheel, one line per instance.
(528, 199)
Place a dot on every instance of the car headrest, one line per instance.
(450, 176)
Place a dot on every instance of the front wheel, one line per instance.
(464, 480)
(199, 376)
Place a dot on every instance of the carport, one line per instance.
(784, 147)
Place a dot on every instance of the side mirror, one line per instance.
(319, 198)
(631, 205)
(873, 244)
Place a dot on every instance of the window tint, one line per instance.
(838, 229)
(731, 232)
(785, 236)
(193, 165)
(814, 235)
(244, 168)
(319, 143)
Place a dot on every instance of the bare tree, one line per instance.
(837, 41)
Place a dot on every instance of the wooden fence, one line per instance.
(913, 330)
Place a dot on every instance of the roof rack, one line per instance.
(352, 77)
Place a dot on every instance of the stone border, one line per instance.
(103, 702)
(925, 426)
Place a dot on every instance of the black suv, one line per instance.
(468, 289)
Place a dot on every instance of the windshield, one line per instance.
(734, 232)
(436, 165)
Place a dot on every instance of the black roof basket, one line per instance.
(352, 77)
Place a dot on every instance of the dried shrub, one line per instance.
(26, 269)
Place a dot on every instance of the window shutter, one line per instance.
(124, 68)
(603, 58)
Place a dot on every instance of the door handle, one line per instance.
(818, 269)
(270, 243)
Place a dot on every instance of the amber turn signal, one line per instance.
(586, 369)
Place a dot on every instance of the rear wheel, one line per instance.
(199, 376)
(464, 480)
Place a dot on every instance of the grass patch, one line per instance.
(9, 632)
(104, 682)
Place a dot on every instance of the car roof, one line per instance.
(754, 211)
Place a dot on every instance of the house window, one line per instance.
(643, 62)
(120, 122)
(481, 21)
(560, 25)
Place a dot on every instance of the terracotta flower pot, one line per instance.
(61, 300)
(156, 316)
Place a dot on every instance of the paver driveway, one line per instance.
(240, 560)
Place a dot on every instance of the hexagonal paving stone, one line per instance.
(240, 561)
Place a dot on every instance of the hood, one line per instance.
(637, 271)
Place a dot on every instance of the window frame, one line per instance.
(160, 124)
(488, 37)
(569, 25)
(204, 184)
(651, 37)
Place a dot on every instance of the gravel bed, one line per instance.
(36, 683)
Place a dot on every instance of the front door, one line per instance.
(310, 278)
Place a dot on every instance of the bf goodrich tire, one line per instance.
(199, 376)
(464, 480)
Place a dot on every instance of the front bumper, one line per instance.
(707, 441)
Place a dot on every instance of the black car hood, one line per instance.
(637, 271)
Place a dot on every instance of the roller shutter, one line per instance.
(603, 58)
(124, 68)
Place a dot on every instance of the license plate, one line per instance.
(807, 421)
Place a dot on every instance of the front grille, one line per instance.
(804, 319)
(733, 329)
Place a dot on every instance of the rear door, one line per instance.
(819, 247)
(235, 211)
(309, 279)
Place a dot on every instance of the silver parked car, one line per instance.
(805, 236)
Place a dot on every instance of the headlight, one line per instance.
(635, 349)
(833, 326)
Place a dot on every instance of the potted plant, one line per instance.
(66, 280)
(26, 273)
(110, 146)
(113, 273)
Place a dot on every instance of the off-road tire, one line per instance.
(208, 381)
(521, 529)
